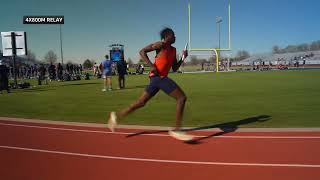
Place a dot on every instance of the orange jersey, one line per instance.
(164, 60)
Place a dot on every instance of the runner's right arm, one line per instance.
(151, 47)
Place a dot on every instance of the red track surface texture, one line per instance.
(32, 151)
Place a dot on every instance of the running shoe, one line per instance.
(112, 123)
(182, 136)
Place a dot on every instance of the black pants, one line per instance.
(121, 81)
(40, 79)
(4, 84)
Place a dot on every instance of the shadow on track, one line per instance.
(224, 127)
(227, 127)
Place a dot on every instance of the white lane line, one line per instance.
(160, 135)
(161, 160)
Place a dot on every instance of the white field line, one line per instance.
(160, 135)
(161, 160)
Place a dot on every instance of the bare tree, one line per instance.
(275, 49)
(315, 46)
(130, 62)
(243, 54)
(87, 64)
(31, 56)
(50, 57)
(69, 62)
(194, 60)
(303, 47)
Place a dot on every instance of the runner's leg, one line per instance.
(181, 99)
(142, 100)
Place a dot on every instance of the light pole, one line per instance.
(218, 21)
(61, 52)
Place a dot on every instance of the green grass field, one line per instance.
(290, 98)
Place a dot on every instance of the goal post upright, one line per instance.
(189, 24)
(229, 23)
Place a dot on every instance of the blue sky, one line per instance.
(90, 26)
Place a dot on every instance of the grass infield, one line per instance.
(288, 98)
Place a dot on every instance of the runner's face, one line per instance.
(171, 38)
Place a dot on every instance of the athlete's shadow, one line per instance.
(226, 127)
(33, 89)
(71, 83)
(135, 87)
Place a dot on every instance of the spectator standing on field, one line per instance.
(122, 71)
(41, 74)
(107, 74)
(60, 72)
(4, 80)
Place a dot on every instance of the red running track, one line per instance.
(34, 151)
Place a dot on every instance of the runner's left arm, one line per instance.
(176, 64)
